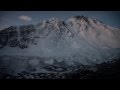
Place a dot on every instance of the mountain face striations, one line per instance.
(55, 44)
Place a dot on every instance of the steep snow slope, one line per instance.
(96, 32)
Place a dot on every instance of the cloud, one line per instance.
(25, 18)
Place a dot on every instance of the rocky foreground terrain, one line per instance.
(108, 70)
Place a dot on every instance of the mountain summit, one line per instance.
(78, 39)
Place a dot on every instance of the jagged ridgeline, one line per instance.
(58, 44)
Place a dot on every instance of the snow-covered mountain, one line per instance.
(79, 40)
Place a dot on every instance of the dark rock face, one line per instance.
(17, 36)
(82, 18)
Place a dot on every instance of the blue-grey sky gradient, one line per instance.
(8, 18)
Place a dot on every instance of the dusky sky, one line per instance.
(8, 18)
